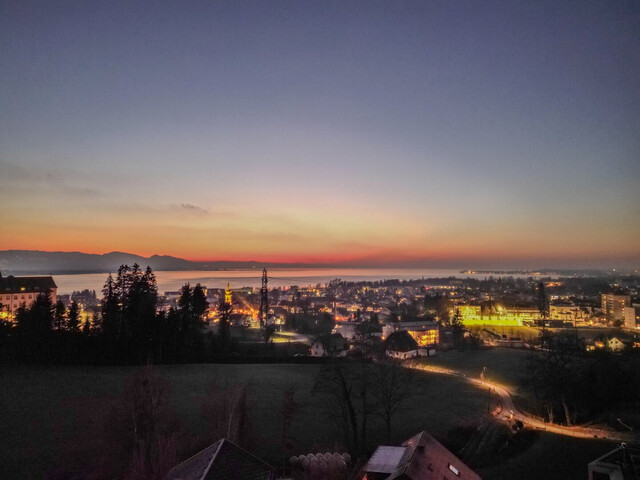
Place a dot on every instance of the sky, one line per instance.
(376, 133)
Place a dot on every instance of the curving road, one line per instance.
(509, 410)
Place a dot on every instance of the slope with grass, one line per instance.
(53, 418)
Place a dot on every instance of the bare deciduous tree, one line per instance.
(339, 402)
(143, 428)
(226, 409)
(394, 388)
(288, 410)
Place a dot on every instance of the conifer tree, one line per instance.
(543, 301)
(73, 318)
(59, 320)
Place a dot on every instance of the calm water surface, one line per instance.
(278, 277)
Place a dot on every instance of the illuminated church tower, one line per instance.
(227, 295)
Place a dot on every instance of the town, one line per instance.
(436, 325)
(494, 311)
(318, 240)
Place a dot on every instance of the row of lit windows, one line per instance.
(15, 297)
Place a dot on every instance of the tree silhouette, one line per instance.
(224, 334)
(543, 301)
(73, 318)
(59, 320)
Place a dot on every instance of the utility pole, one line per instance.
(264, 300)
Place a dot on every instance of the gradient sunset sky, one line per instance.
(414, 133)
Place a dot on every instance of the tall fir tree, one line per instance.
(34, 327)
(73, 318)
(543, 301)
(59, 316)
(111, 319)
(199, 302)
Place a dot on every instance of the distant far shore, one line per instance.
(36, 262)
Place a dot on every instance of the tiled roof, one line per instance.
(430, 460)
(220, 461)
(385, 459)
(421, 457)
(13, 284)
(400, 342)
(333, 341)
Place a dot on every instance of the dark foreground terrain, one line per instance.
(54, 419)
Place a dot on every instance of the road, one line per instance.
(509, 410)
(296, 337)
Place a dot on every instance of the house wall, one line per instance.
(630, 317)
(427, 352)
(402, 355)
(12, 301)
(317, 350)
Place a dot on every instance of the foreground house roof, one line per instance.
(421, 457)
(220, 461)
(13, 284)
(621, 463)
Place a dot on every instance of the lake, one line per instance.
(278, 277)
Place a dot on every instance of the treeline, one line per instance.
(128, 329)
(573, 386)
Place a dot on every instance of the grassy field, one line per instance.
(551, 456)
(532, 335)
(52, 419)
(503, 365)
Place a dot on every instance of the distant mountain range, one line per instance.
(36, 262)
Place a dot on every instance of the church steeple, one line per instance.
(227, 295)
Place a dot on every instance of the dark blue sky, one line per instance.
(494, 132)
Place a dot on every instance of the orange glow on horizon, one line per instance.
(311, 235)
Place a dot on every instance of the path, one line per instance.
(509, 410)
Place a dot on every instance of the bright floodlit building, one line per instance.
(497, 316)
(425, 333)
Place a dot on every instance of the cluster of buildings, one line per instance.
(615, 309)
(399, 340)
(421, 457)
(401, 318)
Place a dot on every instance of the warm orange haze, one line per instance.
(320, 240)
(322, 235)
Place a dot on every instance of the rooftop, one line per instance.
(13, 284)
(400, 342)
(625, 458)
(421, 457)
(220, 461)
